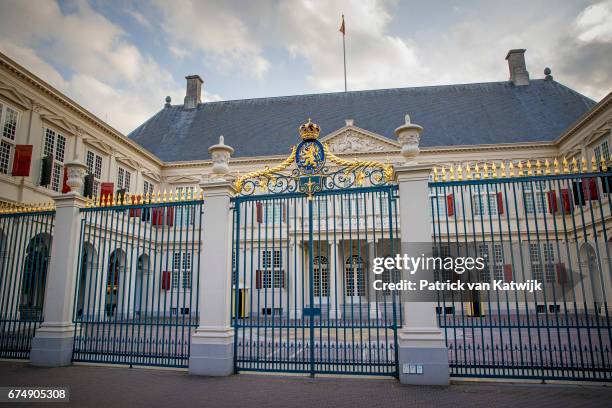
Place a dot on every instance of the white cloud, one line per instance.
(375, 58)
(595, 23)
(139, 18)
(216, 30)
(89, 58)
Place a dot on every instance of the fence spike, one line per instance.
(459, 172)
(547, 166)
(575, 165)
(565, 165)
(583, 166)
(529, 172)
(538, 167)
(476, 171)
(604, 166)
(485, 171)
(520, 169)
(511, 169)
(451, 173)
(435, 174)
(594, 167)
(165, 197)
(556, 166)
(494, 169)
(443, 174)
(468, 172)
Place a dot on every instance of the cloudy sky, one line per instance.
(121, 58)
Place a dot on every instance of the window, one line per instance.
(320, 278)
(271, 262)
(181, 266)
(273, 212)
(535, 202)
(354, 274)
(8, 119)
(437, 205)
(94, 167)
(485, 203)
(352, 204)
(542, 261)
(55, 147)
(184, 213)
(485, 273)
(147, 188)
(602, 151)
(123, 179)
(498, 262)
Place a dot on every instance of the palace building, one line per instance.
(306, 254)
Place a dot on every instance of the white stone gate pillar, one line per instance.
(423, 356)
(52, 343)
(212, 344)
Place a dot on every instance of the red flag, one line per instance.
(342, 28)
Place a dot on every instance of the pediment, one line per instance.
(103, 147)
(128, 162)
(153, 176)
(12, 94)
(183, 179)
(351, 139)
(59, 122)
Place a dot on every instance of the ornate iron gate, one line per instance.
(302, 285)
(136, 298)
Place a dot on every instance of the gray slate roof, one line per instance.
(483, 113)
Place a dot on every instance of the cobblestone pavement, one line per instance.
(109, 387)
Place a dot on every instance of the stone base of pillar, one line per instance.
(212, 352)
(423, 356)
(52, 345)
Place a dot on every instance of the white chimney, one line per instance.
(193, 96)
(516, 64)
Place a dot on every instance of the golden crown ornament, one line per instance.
(309, 130)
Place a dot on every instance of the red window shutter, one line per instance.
(106, 190)
(22, 160)
(507, 273)
(170, 216)
(259, 212)
(552, 201)
(500, 203)
(284, 206)
(135, 212)
(166, 280)
(257, 279)
(594, 192)
(65, 187)
(561, 274)
(450, 205)
(157, 216)
(565, 198)
(589, 188)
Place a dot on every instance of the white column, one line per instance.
(52, 344)
(421, 342)
(212, 344)
(335, 282)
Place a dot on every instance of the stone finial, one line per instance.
(75, 170)
(409, 136)
(220, 154)
(168, 100)
(349, 122)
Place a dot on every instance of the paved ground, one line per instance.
(118, 387)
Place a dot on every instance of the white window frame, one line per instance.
(147, 187)
(57, 150)
(484, 207)
(124, 179)
(184, 214)
(7, 144)
(535, 201)
(182, 263)
(95, 166)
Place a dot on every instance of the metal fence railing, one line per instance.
(136, 298)
(25, 247)
(552, 228)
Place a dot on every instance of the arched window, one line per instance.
(115, 267)
(321, 276)
(354, 276)
(87, 274)
(34, 277)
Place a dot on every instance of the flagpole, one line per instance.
(344, 51)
